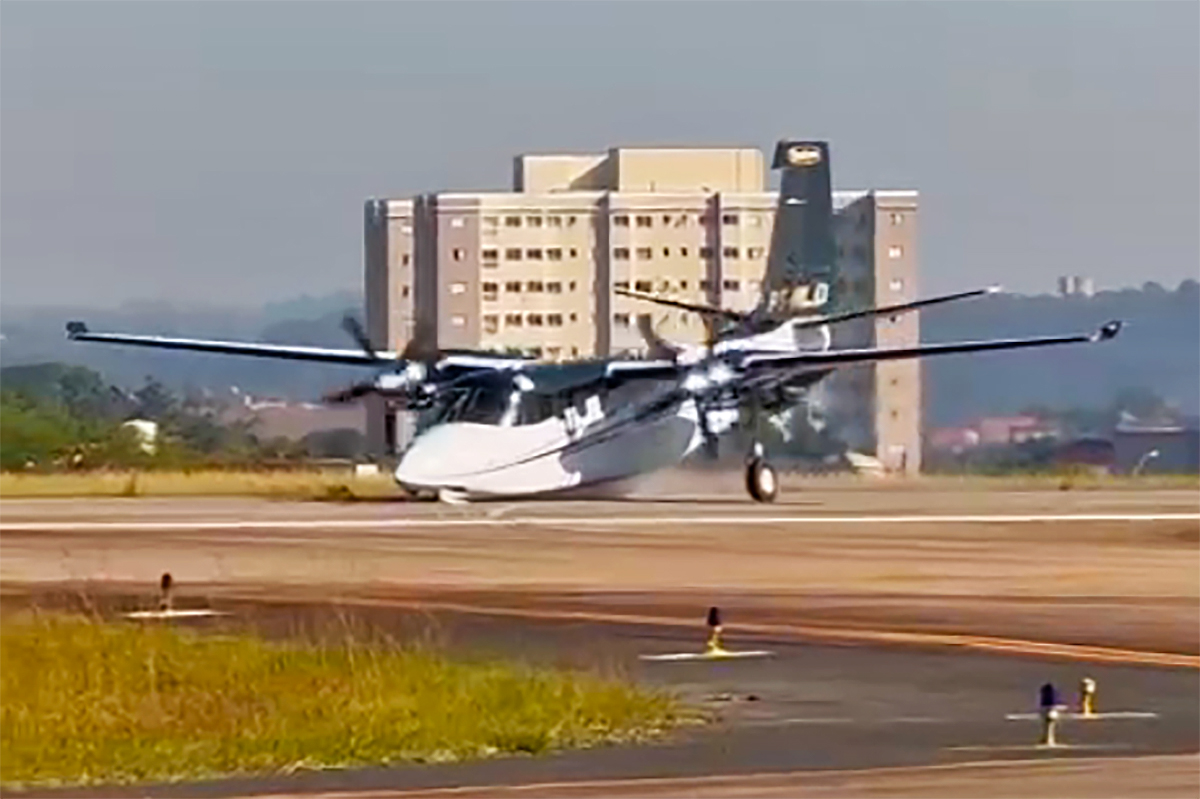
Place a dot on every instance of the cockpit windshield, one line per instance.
(494, 405)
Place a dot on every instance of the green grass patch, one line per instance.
(85, 702)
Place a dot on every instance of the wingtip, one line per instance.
(76, 328)
(1108, 330)
(994, 289)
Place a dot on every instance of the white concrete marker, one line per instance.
(1112, 714)
(725, 654)
(194, 613)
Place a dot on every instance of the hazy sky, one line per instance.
(221, 152)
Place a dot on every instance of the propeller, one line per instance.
(352, 326)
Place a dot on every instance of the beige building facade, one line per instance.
(532, 270)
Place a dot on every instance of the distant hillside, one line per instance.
(1158, 350)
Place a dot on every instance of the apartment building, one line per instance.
(532, 270)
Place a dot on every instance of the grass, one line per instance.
(87, 702)
(311, 484)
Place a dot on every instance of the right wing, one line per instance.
(834, 358)
(77, 331)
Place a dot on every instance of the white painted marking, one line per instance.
(561, 521)
(1112, 714)
(174, 614)
(723, 655)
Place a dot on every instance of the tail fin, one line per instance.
(801, 265)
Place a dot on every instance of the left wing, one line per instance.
(77, 331)
(834, 358)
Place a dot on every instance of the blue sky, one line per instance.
(219, 153)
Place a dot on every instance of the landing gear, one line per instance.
(761, 480)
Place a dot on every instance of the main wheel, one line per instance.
(761, 481)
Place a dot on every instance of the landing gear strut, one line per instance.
(761, 480)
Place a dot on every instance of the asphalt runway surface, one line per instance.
(906, 626)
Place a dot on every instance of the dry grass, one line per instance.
(87, 702)
(314, 484)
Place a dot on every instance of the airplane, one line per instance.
(498, 426)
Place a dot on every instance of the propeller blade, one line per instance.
(352, 326)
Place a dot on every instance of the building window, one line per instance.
(554, 320)
(554, 221)
(571, 285)
(574, 253)
(404, 291)
(574, 352)
(666, 220)
(895, 414)
(574, 317)
(683, 251)
(645, 253)
(534, 253)
(458, 288)
(489, 256)
(730, 285)
(666, 252)
(554, 287)
(895, 251)
(458, 321)
(730, 252)
(705, 285)
(621, 220)
(533, 221)
(491, 323)
(554, 254)
(681, 221)
(405, 259)
(512, 254)
(644, 286)
(621, 253)
(664, 285)
(491, 221)
(706, 252)
(729, 219)
(535, 320)
(896, 284)
(490, 290)
(512, 320)
(553, 352)
(645, 220)
(571, 220)
(457, 221)
(897, 219)
(754, 252)
(512, 221)
(683, 285)
(513, 287)
(534, 286)
(459, 253)
(621, 319)
(534, 352)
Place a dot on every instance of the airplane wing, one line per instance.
(834, 358)
(77, 331)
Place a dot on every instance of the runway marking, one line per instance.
(1077, 652)
(561, 521)
(1033, 747)
(716, 780)
(725, 654)
(1112, 714)
(193, 613)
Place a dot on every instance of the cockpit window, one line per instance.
(496, 405)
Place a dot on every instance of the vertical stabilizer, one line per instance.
(801, 264)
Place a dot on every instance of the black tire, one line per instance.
(762, 482)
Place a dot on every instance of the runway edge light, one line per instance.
(1087, 698)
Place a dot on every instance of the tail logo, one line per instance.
(803, 155)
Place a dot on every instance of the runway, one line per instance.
(909, 629)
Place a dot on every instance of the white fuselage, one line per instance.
(594, 440)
